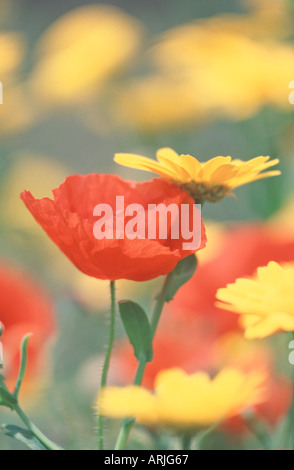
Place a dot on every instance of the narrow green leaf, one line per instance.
(23, 435)
(183, 271)
(23, 365)
(6, 399)
(3, 387)
(2, 378)
(137, 328)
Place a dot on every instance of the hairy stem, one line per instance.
(107, 360)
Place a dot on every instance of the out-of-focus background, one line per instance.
(81, 82)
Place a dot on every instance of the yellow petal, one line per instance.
(272, 324)
(170, 159)
(211, 165)
(132, 401)
(223, 174)
(167, 153)
(191, 165)
(143, 163)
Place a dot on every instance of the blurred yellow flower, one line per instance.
(235, 72)
(226, 65)
(186, 401)
(28, 171)
(12, 49)
(269, 17)
(209, 181)
(265, 301)
(17, 111)
(264, 19)
(157, 101)
(81, 50)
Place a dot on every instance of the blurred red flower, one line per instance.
(25, 308)
(192, 330)
(244, 248)
(68, 220)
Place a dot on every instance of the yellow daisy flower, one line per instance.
(12, 50)
(185, 401)
(265, 301)
(211, 180)
(81, 51)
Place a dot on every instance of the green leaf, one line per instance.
(137, 328)
(23, 435)
(23, 364)
(2, 378)
(183, 271)
(6, 399)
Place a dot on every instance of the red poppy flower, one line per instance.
(24, 308)
(69, 221)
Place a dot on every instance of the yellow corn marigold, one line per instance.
(12, 50)
(80, 51)
(211, 180)
(183, 401)
(265, 301)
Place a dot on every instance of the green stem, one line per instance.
(186, 441)
(50, 445)
(128, 423)
(259, 431)
(160, 303)
(107, 360)
(201, 436)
